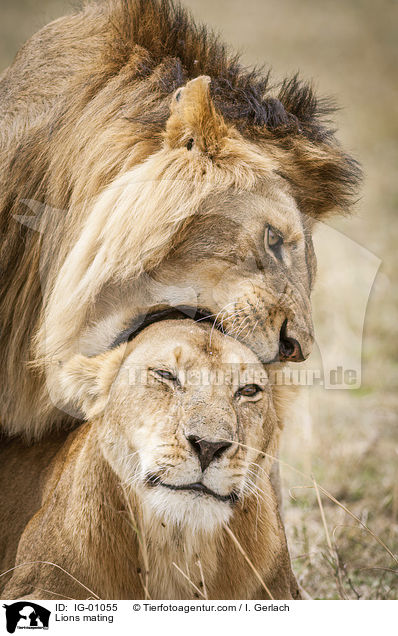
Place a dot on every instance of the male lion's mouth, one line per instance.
(197, 487)
(140, 322)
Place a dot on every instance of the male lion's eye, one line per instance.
(274, 241)
(166, 375)
(250, 390)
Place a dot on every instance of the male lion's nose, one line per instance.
(289, 348)
(206, 450)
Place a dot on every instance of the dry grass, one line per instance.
(348, 441)
(353, 452)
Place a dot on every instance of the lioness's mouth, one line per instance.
(197, 487)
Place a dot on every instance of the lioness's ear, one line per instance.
(86, 382)
(194, 121)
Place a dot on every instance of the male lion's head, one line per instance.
(184, 415)
(207, 222)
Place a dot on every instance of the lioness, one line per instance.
(165, 492)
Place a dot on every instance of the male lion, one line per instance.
(141, 167)
(165, 492)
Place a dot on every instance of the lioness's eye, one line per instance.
(250, 390)
(166, 375)
(274, 241)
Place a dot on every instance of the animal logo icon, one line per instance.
(26, 615)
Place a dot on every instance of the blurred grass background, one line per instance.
(346, 439)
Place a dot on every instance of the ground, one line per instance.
(345, 440)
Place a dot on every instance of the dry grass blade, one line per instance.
(382, 570)
(145, 586)
(189, 581)
(379, 541)
(332, 559)
(328, 541)
(243, 553)
(334, 556)
(20, 565)
(68, 598)
(202, 579)
(142, 545)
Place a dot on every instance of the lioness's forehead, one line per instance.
(187, 343)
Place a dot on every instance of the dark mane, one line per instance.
(168, 32)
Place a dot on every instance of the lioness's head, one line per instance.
(183, 415)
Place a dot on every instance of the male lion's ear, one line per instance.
(86, 382)
(194, 121)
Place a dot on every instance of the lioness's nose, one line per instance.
(207, 450)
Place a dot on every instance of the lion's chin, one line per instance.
(192, 510)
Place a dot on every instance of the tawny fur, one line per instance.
(140, 166)
(93, 513)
